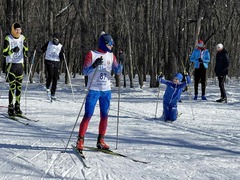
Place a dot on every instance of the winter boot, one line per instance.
(11, 110)
(17, 109)
(101, 144)
(204, 98)
(195, 97)
(80, 143)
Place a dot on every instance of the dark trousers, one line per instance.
(52, 68)
(15, 77)
(200, 74)
(221, 80)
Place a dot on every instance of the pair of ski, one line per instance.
(110, 152)
(20, 118)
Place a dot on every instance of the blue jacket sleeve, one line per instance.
(87, 70)
(194, 57)
(206, 57)
(163, 81)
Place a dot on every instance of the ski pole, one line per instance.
(68, 75)
(157, 102)
(79, 112)
(189, 94)
(8, 71)
(119, 88)
(157, 99)
(28, 78)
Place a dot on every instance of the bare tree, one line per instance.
(156, 35)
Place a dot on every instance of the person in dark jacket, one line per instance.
(172, 95)
(53, 56)
(221, 70)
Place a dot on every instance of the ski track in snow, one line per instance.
(200, 146)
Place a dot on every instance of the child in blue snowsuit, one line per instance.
(172, 95)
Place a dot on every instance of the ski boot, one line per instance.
(101, 144)
(53, 97)
(222, 100)
(17, 109)
(11, 110)
(80, 142)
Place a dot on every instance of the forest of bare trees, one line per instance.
(155, 35)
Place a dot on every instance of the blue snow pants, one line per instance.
(170, 112)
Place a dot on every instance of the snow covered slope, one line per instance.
(204, 143)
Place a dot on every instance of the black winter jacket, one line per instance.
(222, 63)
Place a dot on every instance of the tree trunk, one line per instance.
(129, 48)
(50, 16)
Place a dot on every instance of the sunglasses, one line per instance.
(110, 43)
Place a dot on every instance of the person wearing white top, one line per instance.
(98, 66)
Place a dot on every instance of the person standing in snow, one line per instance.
(14, 50)
(172, 95)
(97, 66)
(200, 57)
(221, 70)
(53, 56)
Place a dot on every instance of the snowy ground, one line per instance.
(204, 143)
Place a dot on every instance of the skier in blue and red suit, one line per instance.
(171, 95)
(98, 66)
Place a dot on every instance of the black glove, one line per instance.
(97, 62)
(200, 60)
(185, 89)
(16, 49)
(160, 76)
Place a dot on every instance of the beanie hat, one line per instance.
(104, 40)
(56, 35)
(102, 33)
(200, 43)
(219, 46)
(15, 26)
(179, 76)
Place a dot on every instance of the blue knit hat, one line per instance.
(104, 40)
(179, 76)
